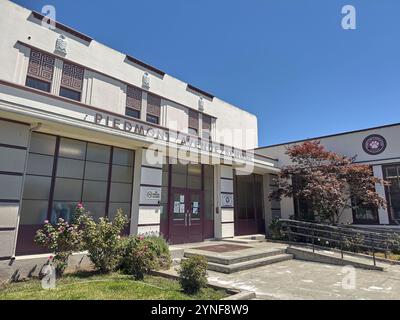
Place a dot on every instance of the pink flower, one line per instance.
(46, 221)
(51, 258)
(80, 205)
(141, 237)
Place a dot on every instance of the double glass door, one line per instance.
(186, 215)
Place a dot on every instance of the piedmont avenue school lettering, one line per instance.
(179, 138)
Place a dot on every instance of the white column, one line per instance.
(56, 83)
(143, 111)
(380, 189)
(147, 192)
(225, 218)
(21, 68)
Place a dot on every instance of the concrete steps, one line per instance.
(245, 265)
(229, 259)
(230, 262)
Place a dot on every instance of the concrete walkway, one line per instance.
(298, 280)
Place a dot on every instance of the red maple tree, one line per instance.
(327, 181)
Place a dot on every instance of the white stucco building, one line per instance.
(81, 122)
(378, 147)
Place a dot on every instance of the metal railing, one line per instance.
(343, 238)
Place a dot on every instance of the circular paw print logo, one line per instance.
(374, 144)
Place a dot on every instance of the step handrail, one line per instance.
(339, 236)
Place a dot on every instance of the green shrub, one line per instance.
(161, 249)
(193, 274)
(394, 243)
(138, 258)
(103, 240)
(354, 243)
(275, 228)
(62, 239)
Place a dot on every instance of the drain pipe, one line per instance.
(32, 127)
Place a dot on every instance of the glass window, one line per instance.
(40, 164)
(132, 113)
(120, 192)
(70, 168)
(392, 175)
(38, 84)
(121, 174)
(152, 119)
(123, 157)
(114, 206)
(67, 189)
(42, 143)
(70, 148)
(96, 171)
(94, 191)
(64, 210)
(96, 209)
(37, 187)
(33, 212)
(98, 153)
(193, 131)
(82, 175)
(70, 94)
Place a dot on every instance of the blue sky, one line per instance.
(287, 61)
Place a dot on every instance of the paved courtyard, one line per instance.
(295, 279)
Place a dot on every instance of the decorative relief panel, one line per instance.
(134, 98)
(41, 65)
(72, 76)
(153, 105)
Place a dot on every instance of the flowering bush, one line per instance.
(103, 240)
(138, 256)
(62, 239)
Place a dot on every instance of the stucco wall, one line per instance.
(349, 144)
(17, 24)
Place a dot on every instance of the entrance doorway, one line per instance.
(190, 205)
(186, 216)
(249, 213)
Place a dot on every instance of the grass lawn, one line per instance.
(90, 286)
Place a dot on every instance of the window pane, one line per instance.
(178, 180)
(123, 157)
(120, 192)
(67, 189)
(152, 119)
(64, 210)
(94, 191)
(97, 209)
(38, 84)
(192, 131)
(98, 152)
(33, 212)
(72, 149)
(37, 187)
(121, 174)
(42, 143)
(96, 171)
(132, 113)
(40, 165)
(70, 168)
(194, 182)
(179, 168)
(70, 94)
(112, 210)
